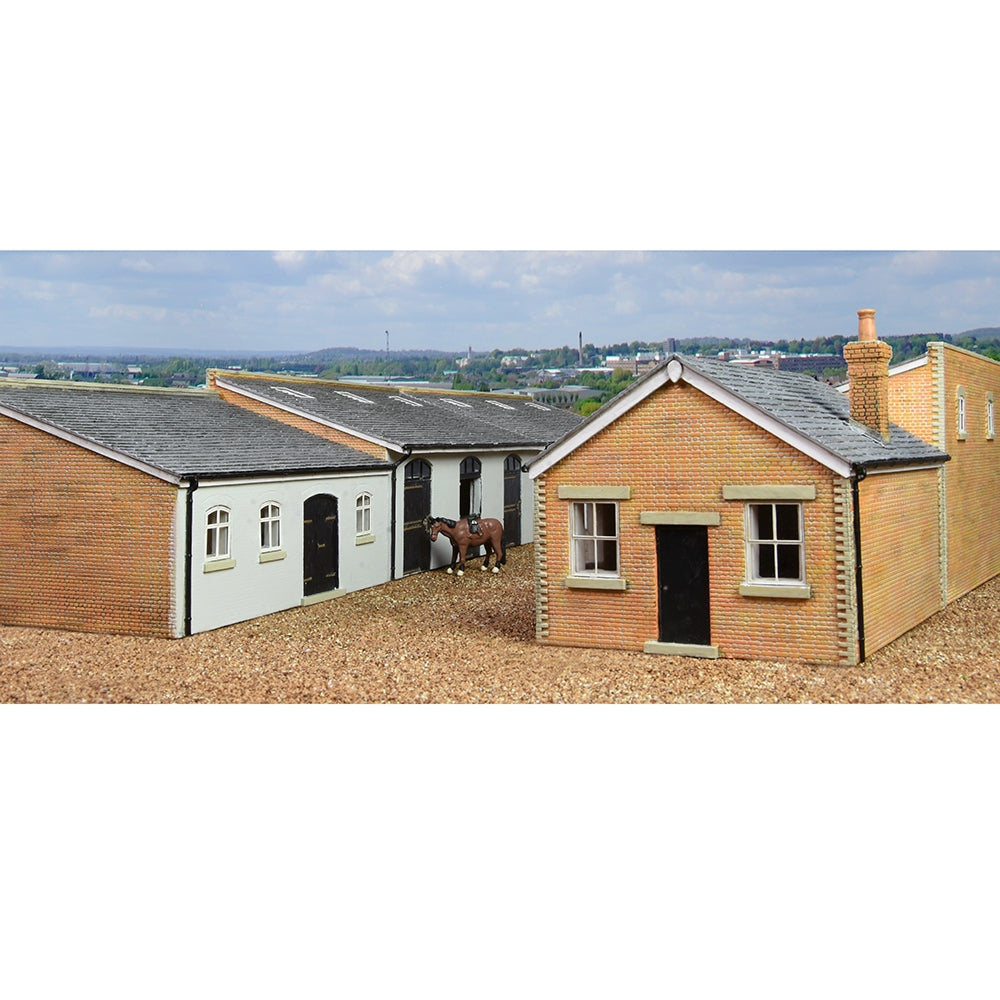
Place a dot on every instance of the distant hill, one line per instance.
(982, 333)
(133, 355)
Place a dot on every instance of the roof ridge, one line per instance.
(366, 386)
(48, 383)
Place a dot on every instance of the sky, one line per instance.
(457, 179)
(308, 300)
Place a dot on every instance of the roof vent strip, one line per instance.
(357, 399)
(292, 392)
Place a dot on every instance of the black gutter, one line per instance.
(188, 552)
(856, 476)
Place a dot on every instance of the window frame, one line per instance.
(270, 523)
(991, 420)
(961, 414)
(754, 545)
(221, 529)
(580, 538)
(363, 513)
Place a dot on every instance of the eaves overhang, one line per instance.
(766, 421)
(599, 420)
(676, 371)
(92, 446)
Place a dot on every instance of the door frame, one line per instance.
(697, 525)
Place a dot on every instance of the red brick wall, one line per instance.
(676, 450)
(924, 401)
(901, 553)
(973, 474)
(912, 402)
(88, 541)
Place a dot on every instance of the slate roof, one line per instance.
(801, 403)
(816, 410)
(181, 432)
(416, 419)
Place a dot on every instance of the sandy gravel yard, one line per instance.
(436, 638)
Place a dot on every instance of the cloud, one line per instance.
(289, 259)
(156, 314)
(137, 264)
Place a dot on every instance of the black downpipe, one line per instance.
(188, 553)
(856, 478)
(392, 519)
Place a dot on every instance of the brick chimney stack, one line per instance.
(868, 373)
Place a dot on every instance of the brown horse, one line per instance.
(462, 539)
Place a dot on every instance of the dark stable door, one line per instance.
(682, 578)
(416, 507)
(320, 544)
(512, 501)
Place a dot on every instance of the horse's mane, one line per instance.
(443, 520)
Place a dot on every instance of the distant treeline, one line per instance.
(484, 370)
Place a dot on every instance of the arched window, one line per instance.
(270, 527)
(217, 533)
(363, 514)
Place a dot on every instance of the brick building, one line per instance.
(164, 512)
(725, 510)
(948, 397)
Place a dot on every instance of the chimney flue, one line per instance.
(866, 324)
(868, 373)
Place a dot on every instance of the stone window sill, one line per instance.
(272, 555)
(216, 564)
(364, 539)
(595, 582)
(795, 591)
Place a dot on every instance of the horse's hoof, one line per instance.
(484, 568)
(496, 569)
(448, 570)
(461, 572)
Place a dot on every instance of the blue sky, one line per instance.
(724, 170)
(264, 301)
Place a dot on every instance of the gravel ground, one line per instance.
(411, 642)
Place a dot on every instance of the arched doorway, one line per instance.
(416, 508)
(320, 545)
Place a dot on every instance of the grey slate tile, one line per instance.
(815, 410)
(418, 419)
(183, 432)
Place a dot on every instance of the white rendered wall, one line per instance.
(445, 468)
(251, 587)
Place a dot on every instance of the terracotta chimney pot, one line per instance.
(866, 324)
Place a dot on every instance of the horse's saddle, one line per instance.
(474, 524)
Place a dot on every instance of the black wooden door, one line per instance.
(512, 500)
(320, 545)
(682, 578)
(416, 507)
